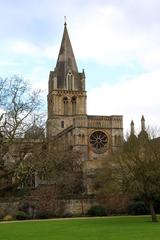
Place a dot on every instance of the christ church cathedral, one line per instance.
(94, 136)
(68, 129)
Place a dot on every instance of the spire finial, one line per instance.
(132, 128)
(65, 21)
(143, 123)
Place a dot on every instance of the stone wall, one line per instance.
(43, 200)
(78, 206)
(8, 207)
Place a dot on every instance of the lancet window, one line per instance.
(73, 105)
(65, 102)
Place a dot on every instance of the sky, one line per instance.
(116, 42)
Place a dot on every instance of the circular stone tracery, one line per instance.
(98, 141)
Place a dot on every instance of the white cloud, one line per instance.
(4, 63)
(38, 76)
(109, 34)
(130, 98)
(51, 52)
(29, 49)
(21, 47)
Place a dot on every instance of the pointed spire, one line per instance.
(132, 128)
(83, 72)
(143, 135)
(65, 74)
(143, 128)
(66, 60)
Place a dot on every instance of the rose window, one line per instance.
(98, 141)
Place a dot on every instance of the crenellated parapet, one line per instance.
(105, 122)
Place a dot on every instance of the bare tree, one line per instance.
(18, 104)
(22, 154)
(60, 168)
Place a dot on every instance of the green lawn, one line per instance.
(116, 228)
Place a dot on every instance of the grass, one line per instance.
(116, 228)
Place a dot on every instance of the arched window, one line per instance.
(73, 105)
(65, 101)
(83, 139)
(70, 80)
(62, 124)
(115, 139)
(119, 140)
(79, 139)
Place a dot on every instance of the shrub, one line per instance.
(137, 208)
(157, 206)
(44, 215)
(97, 211)
(21, 215)
(24, 207)
(28, 209)
(8, 217)
(2, 213)
(67, 215)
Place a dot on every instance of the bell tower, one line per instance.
(66, 90)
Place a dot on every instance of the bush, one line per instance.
(97, 211)
(25, 206)
(28, 210)
(157, 206)
(67, 215)
(21, 215)
(44, 215)
(2, 213)
(8, 217)
(137, 208)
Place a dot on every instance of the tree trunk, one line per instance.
(152, 211)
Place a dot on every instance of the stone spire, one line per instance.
(65, 75)
(143, 128)
(132, 128)
(143, 136)
(66, 60)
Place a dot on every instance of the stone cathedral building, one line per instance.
(69, 126)
(93, 136)
(67, 123)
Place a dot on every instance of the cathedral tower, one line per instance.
(95, 137)
(66, 95)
